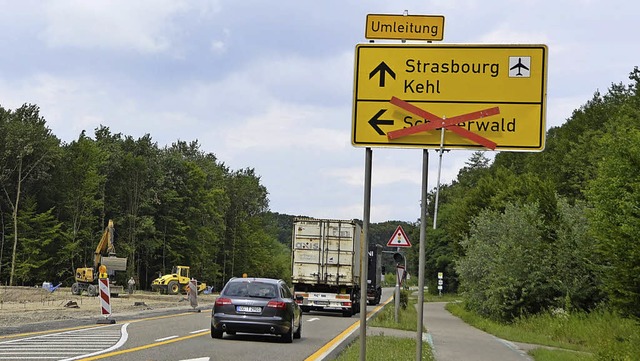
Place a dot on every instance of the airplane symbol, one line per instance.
(519, 66)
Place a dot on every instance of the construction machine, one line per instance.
(175, 282)
(86, 278)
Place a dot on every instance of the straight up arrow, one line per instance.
(382, 68)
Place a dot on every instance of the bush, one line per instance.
(404, 298)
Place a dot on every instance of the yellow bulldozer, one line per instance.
(176, 282)
(86, 278)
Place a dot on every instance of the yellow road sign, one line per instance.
(448, 81)
(408, 27)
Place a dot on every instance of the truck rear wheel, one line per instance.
(173, 288)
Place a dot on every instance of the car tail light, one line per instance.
(221, 301)
(277, 304)
(347, 304)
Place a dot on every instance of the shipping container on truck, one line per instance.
(326, 264)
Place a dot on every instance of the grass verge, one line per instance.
(387, 347)
(599, 335)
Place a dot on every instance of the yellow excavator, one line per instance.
(87, 277)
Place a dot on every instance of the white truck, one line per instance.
(326, 264)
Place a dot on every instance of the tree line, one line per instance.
(172, 205)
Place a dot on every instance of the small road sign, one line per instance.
(404, 27)
(502, 86)
(399, 239)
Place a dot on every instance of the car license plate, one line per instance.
(322, 303)
(248, 309)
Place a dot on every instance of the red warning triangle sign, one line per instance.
(399, 239)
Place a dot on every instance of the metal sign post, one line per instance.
(364, 247)
(421, 252)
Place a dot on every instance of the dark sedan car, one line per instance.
(256, 305)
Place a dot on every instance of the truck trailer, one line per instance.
(375, 270)
(326, 265)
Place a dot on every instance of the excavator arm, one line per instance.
(105, 246)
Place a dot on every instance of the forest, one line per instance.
(524, 233)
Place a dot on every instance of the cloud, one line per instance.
(286, 126)
(220, 46)
(509, 34)
(145, 26)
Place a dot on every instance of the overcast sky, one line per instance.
(269, 84)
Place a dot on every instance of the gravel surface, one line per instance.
(26, 305)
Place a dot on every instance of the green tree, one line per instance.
(27, 152)
(615, 196)
(191, 206)
(248, 201)
(575, 272)
(507, 264)
(36, 254)
(78, 185)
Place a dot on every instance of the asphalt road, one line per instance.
(175, 335)
(179, 335)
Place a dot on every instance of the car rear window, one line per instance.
(250, 289)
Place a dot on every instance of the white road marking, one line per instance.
(166, 338)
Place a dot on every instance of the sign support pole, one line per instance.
(423, 240)
(397, 294)
(364, 248)
(441, 150)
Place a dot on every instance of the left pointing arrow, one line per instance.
(375, 121)
(382, 68)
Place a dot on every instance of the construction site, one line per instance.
(26, 305)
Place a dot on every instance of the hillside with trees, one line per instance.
(555, 229)
(171, 205)
(523, 234)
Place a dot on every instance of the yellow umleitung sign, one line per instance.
(449, 81)
(407, 27)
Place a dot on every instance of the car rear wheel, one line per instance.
(288, 337)
(215, 333)
(298, 332)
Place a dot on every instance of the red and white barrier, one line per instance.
(105, 297)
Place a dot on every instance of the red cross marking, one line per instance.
(435, 122)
